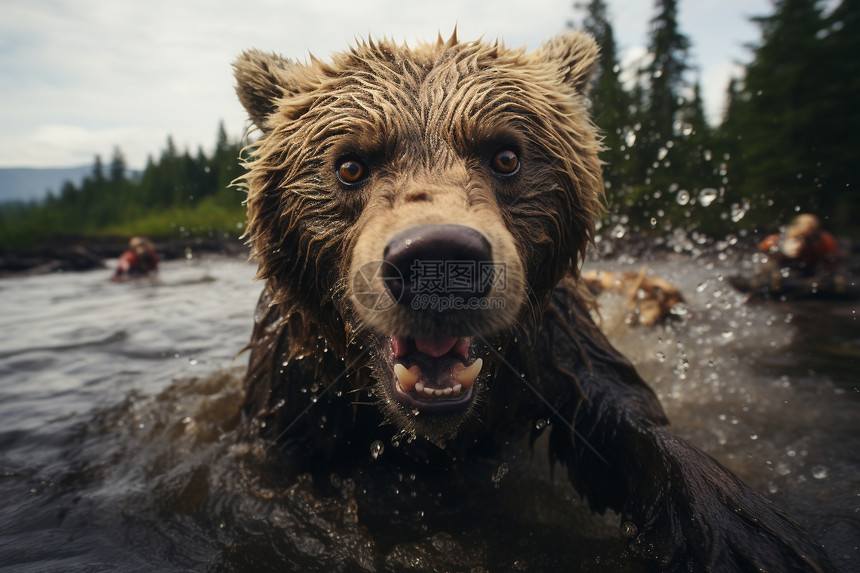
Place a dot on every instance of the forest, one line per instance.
(176, 195)
(786, 143)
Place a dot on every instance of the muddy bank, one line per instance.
(65, 254)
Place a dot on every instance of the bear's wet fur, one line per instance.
(419, 216)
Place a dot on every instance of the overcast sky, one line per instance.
(79, 77)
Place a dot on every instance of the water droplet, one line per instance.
(727, 334)
(630, 138)
(707, 196)
(376, 449)
(819, 472)
(738, 211)
(500, 473)
(628, 529)
(683, 197)
(192, 361)
(540, 424)
(662, 152)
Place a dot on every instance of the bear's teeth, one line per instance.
(467, 375)
(406, 377)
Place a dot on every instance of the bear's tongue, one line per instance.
(436, 346)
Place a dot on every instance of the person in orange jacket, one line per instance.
(139, 260)
(804, 247)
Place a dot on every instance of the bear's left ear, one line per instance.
(262, 79)
(576, 54)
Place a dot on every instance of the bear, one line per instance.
(419, 215)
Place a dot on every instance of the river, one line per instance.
(122, 447)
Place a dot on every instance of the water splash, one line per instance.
(500, 474)
(738, 211)
(707, 196)
(630, 138)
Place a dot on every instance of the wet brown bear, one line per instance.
(418, 215)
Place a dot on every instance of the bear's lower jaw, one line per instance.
(432, 374)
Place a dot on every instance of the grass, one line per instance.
(209, 217)
(206, 217)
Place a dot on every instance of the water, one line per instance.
(122, 447)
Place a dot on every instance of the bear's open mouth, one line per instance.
(433, 373)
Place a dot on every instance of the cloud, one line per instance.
(70, 145)
(92, 74)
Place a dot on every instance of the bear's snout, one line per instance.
(437, 260)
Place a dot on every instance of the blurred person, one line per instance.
(804, 248)
(138, 261)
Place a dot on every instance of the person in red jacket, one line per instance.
(805, 247)
(139, 260)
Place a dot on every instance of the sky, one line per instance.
(79, 78)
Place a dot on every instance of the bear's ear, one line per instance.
(575, 54)
(261, 80)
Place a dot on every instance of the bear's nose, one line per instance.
(438, 260)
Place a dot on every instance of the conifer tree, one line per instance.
(669, 48)
(609, 101)
(659, 152)
(784, 138)
(117, 166)
(841, 170)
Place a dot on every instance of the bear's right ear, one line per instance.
(576, 55)
(261, 80)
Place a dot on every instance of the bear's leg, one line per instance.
(681, 510)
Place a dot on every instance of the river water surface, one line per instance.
(122, 447)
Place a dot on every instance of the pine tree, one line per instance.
(728, 143)
(784, 140)
(609, 101)
(841, 171)
(117, 166)
(98, 173)
(659, 149)
(666, 71)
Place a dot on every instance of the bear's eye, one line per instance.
(351, 172)
(505, 162)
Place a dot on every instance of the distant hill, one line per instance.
(33, 184)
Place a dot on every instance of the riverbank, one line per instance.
(63, 254)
